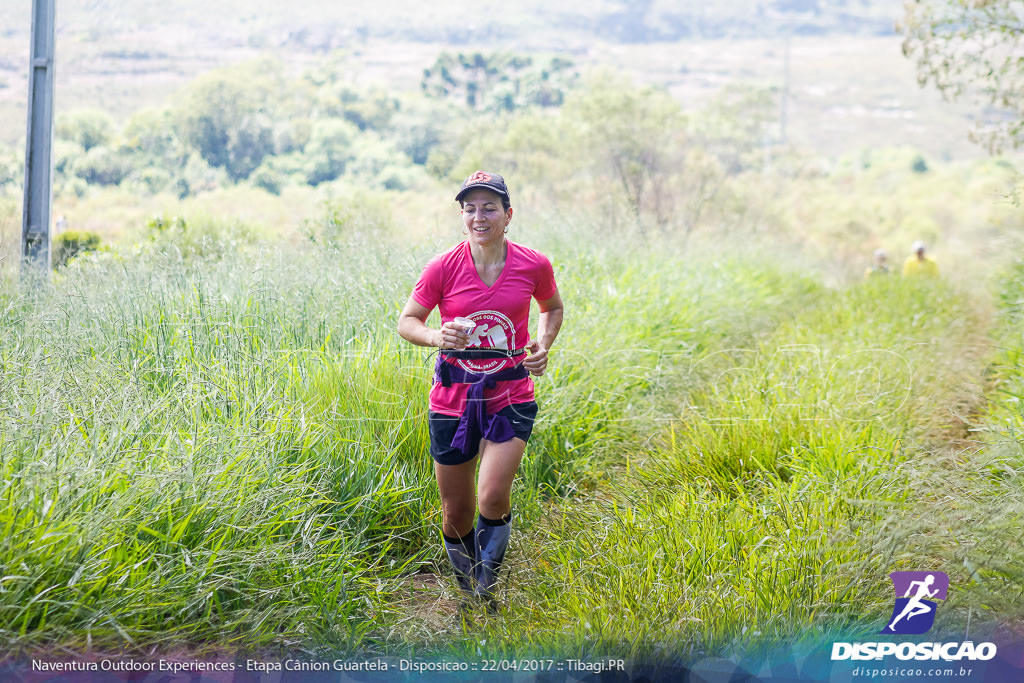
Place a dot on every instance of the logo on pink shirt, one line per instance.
(493, 331)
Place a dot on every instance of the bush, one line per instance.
(277, 172)
(86, 127)
(352, 215)
(11, 174)
(265, 178)
(200, 236)
(103, 166)
(226, 118)
(149, 181)
(329, 150)
(197, 176)
(71, 243)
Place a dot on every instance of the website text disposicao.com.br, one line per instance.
(964, 672)
(951, 667)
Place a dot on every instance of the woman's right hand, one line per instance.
(452, 336)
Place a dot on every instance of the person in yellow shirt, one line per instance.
(918, 263)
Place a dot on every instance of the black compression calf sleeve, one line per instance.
(462, 555)
(491, 543)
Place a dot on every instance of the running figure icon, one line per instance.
(913, 612)
(914, 605)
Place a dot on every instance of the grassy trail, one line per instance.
(233, 458)
(775, 507)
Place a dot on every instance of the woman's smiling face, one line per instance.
(483, 215)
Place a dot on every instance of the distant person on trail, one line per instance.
(482, 405)
(879, 265)
(918, 263)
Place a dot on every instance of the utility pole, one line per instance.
(766, 138)
(783, 109)
(35, 220)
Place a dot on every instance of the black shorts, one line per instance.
(443, 428)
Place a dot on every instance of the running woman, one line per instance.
(482, 405)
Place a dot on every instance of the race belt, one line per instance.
(481, 354)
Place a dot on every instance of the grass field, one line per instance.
(214, 442)
(233, 458)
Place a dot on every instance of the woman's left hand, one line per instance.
(537, 361)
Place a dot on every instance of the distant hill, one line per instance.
(332, 25)
(846, 81)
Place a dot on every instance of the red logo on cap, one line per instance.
(478, 177)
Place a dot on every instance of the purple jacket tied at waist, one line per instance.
(475, 423)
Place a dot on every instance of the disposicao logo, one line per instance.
(913, 613)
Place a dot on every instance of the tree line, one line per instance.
(534, 117)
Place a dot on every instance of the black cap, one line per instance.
(488, 181)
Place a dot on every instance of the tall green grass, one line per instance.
(10, 236)
(221, 445)
(225, 447)
(168, 480)
(979, 501)
(775, 504)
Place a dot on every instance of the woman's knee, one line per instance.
(457, 516)
(495, 502)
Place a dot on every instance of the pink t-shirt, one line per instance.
(501, 312)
